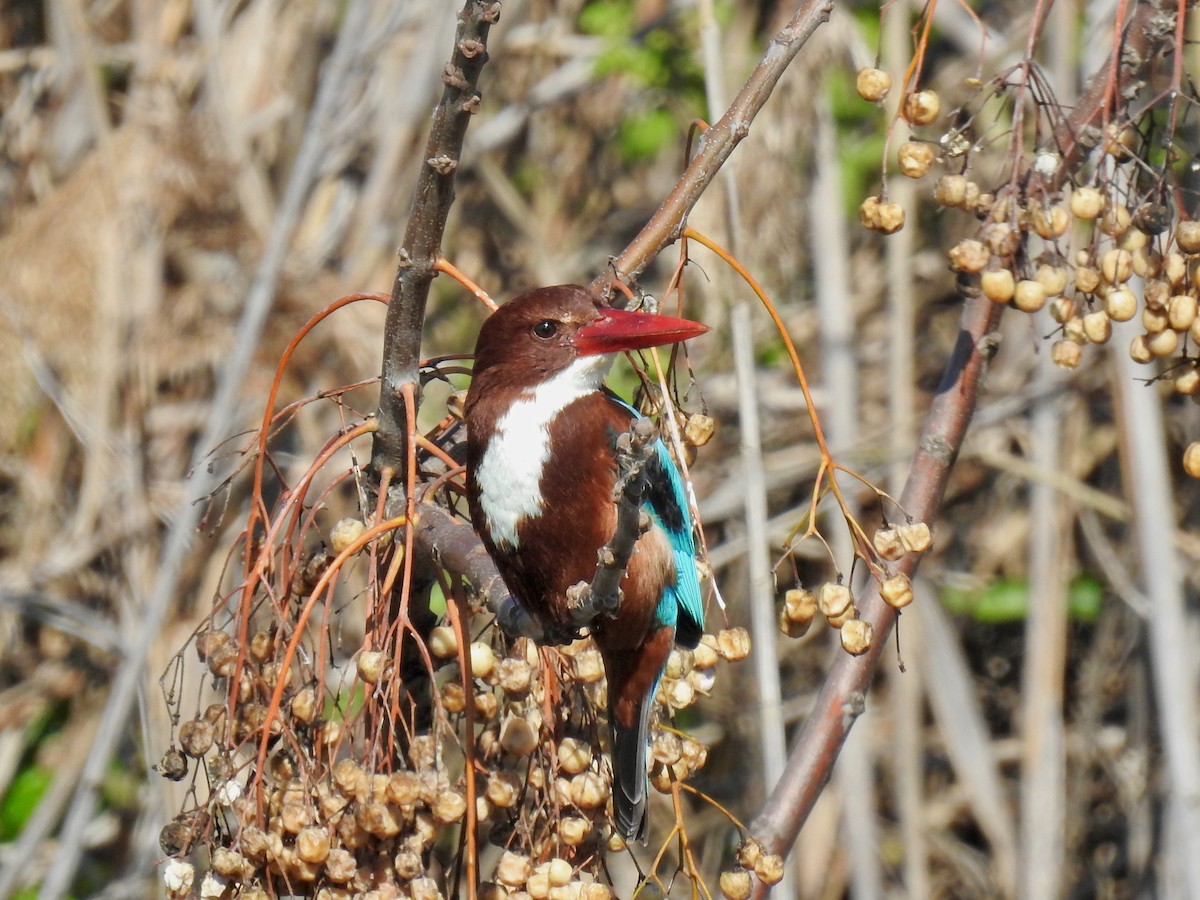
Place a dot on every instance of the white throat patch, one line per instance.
(510, 474)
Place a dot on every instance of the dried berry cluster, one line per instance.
(332, 825)
(835, 601)
(1112, 247)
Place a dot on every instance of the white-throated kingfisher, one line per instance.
(542, 431)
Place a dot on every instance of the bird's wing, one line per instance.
(666, 501)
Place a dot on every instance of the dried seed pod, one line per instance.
(998, 285)
(1030, 295)
(1066, 354)
(443, 642)
(706, 654)
(514, 676)
(1120, 304)
(345, 533)
(196, 737)
(733, 643)
(513, 869)
(1191, 459)
(588, 666)
(897, 591)
(698, 429)
(483, 660)
(857, 635)
(371, 665)
(517, 736)
(1187, 236)
(921, 107)
(173, 765)
(574, 755)
(1181, 311)
(1087, 203)
(573, 830)
(312, 845)
(886, 542)
(951, 190)
(449, 807)
(915, 536)
(736, 884)
(1139, 349)
(872, 84)
(1087, 279)
(1163, 344)
(588, 790)
(800, 604)
(1097, 326)
(969, 255)
(915, 158)
(833, 599)
(769, 868)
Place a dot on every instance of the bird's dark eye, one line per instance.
(545, 329)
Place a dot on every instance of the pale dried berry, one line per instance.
(449, 807)
(209, 642)
(573, 830)
(1120, 141)
(588, 790)
(1194, 331)
(178, 877)
(736, 884)
(453, 696)
(872, 84)
(483, 660)
(595, 891)
(312, 845)
(514, 676)
(857, 635)
(1187, 236)
(833, 599)
(1157, 294)
(517, 736)
(371, 665)
(897, 591)
(1116, 220)
(345, 533)
(503, 789)
(915, 158)
(262, 645)
(733, 643)
(213, 887)
(379, 819)
(921, 107)
(679, 693)
(1147, 262)
(977, 201)
(230, 863)
(769, 868)
(538, 885)
(1174, 268)
(1163, 344)
(1087, 279)
(1001, 238)
(223, 661)
(998, 285)
(424, 889)
(951, 190)
(850, 612)
(679, 663)
(408, 864)
(1061, 309)
(1097, 326)
(349, 778)
(1052, 222)
(1116, 265)
(868, 213)
(1191, 459)
(1155, 320)
(698, 429)
(1139, 349)
(1053, 278)
(196, 737)
(487, 706)
(560, 872)
(1120, 304)
(891, 218)
(1030, 295)
(443, 642)
(749, 852)
(588, 666)
(969, 255)
(1187, 382)
(295, 817)
(1181, 311)
(1087, 203)
(1065, 354)
(705, 655)
(886, 542)
(915, 536)
(662, 777)
(574, 755)
(702, 680)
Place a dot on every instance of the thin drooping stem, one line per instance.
(421, 248)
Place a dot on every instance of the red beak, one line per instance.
(620, 329)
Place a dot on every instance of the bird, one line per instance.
(542, 429)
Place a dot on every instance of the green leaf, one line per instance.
(642, 135)
(24, 794)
